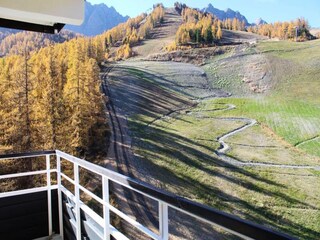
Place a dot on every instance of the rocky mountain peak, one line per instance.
(98, 18)
(228, 13)
(260, 21)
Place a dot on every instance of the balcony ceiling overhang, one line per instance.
(48, 16)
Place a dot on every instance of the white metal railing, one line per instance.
(234, 225)
(107, 177)
(49, 187)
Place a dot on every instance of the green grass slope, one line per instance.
(291, 105)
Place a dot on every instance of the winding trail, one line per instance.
(224, 147)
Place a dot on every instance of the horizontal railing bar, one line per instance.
(67, 178)
(91, 194)
(134, 223)
(84, 207)
(210, 222)
(232, 223)
(113, 176)
(25, 174)
(95, 230)
(26, 191)
(26, 155)
(73, 222)
(92, 214)
(67, 193)
(116, 234)
(95, 217)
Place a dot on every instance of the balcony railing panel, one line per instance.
(77, 219)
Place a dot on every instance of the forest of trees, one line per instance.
(11, 43)
(4, 32)
(284, 30)
(52, 100)
(233, 24)
(198, 28)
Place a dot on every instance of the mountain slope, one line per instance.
(162, 35)
(222, 15)
(98, 18)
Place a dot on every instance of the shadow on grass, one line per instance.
(187, 87)
(142, 97)
(182, 154)
(170, 157)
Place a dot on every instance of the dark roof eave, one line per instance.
(6, 23)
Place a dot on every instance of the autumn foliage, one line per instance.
(284, 30)
(51, 99)
(124, 52)
(32, 41)
(198, 28)
(128, 34)
(233, 24)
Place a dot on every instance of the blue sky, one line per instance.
(269, 10)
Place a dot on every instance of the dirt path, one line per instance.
(248, 123)
(120, 153)
(224, 147)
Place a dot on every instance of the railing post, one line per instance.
(163, 221)
(77, 200)
(49, 194)
(59, 196)
(106, 209)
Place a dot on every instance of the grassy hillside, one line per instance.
(295, 68)
(181, 150)
(175, 145)
(290, 122)
(290, 105)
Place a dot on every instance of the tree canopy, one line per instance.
(198, 28)
(298, 28)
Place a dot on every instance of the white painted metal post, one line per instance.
(60, 196)
(77, 200)
(106, 209)
(163, 221)
(49, 194)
